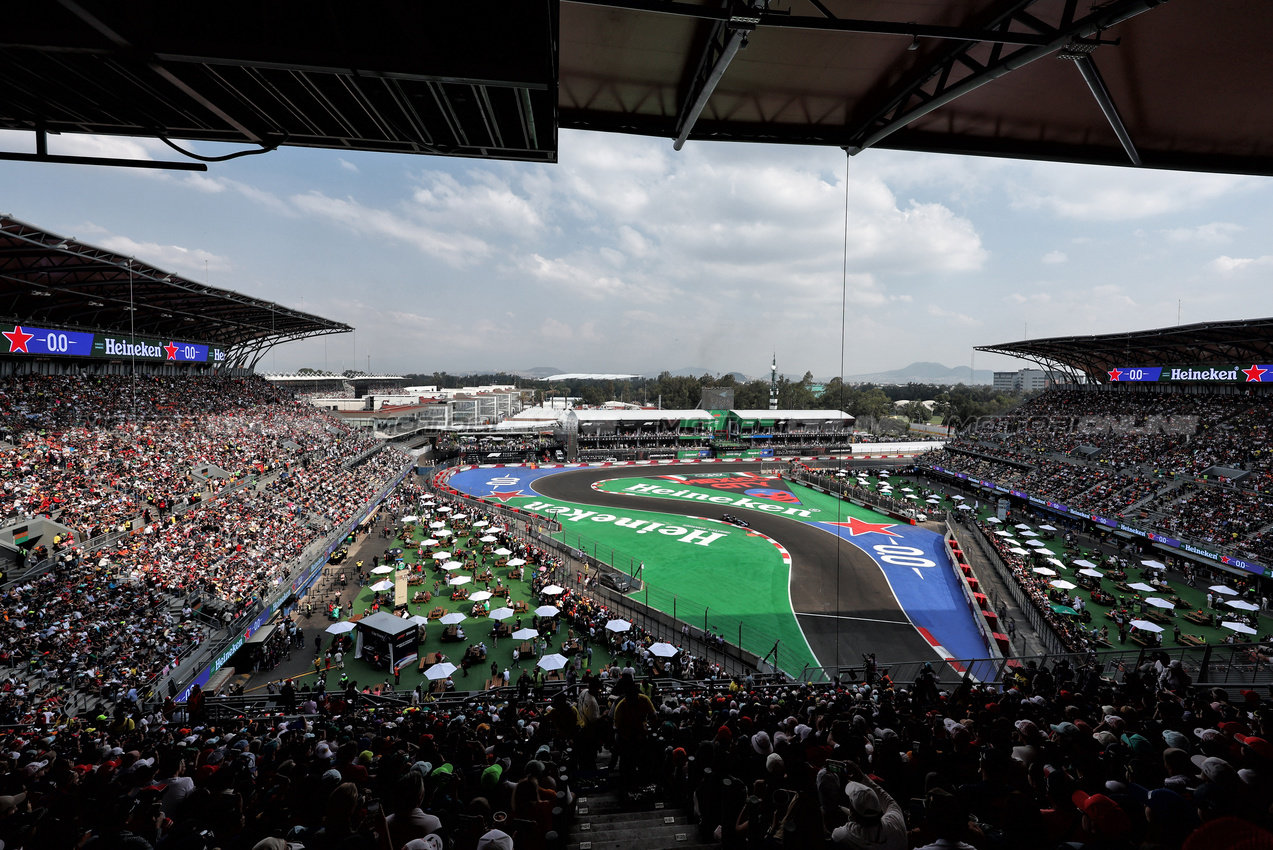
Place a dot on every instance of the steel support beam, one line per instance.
(722, 46)
(880, 126)
(1095, 82)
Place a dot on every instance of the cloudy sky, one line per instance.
(631, 257)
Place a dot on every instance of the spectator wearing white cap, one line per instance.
(875, 819)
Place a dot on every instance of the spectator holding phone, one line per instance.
(875, 820)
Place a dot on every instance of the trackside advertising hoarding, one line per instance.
(1185, 546)
(1252, 374)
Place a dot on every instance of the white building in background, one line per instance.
(1027, 380)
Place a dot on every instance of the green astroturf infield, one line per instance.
(734, 575)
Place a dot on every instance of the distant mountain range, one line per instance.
(926, 373)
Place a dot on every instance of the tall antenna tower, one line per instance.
(773, 383)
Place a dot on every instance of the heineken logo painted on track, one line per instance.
(780, 502)
(564, 514)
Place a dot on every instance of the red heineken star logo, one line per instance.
(1115, 375)
(505, 495)
(18, 340)
(171, 349)
(1254, 374)
(857, 526)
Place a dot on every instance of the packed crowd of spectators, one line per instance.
(107, 614)
(1057, 755)
(1108, 452)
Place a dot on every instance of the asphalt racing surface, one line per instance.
(863, 606)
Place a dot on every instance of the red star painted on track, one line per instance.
(857, 526)
(505, 495)
(18, 340)
(1255, 374)
(1115, 375)
(171, 349)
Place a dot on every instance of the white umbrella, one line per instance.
(442, 532)
(524, 634)
(481, 523)
(1154, 565)
(441, 556)
(503, 551)
(547, 611)
(908, 489)
(516, 562)
(1146, 626)
(553, 590)
(339, 628)
(460, 516)
(553, 662)
(438, 524)
(445, 510)
(381, 586)
(1083, 563)
(1037, 544)
(1029, 533)
(453, 619)
(1092, 573)
(958, 498)
(1004, 533)
(1159, 603)
(1063, 584)
(1241, 605)
(994, 519)
(965, 507)
(419, 620)
(410, 519)
(440, 670)
(1240, 628)
(382, 570)
(481, 596)
(912, 496)
(430, 542)
(488, 538)
(449, 566)
(663, 650)
(1017, 550)
(1047, 528)
(1142, 587)
(1223, 590)
(1044, 571)
(459, 580)
(933, 501)
(618, 626)
(1054, 562)
(1023, 526)
(501, 613)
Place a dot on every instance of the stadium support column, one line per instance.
(773, 383)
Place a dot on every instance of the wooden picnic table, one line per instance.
(1193, 640)
(437, 613)
(494, 682)
(1200, 619)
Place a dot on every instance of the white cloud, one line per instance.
(957, 318)
(1215, 233)
(347, 165)
(194, 261)
(455, 249)
(1232, 265)
(1093, 193)
(1053, 257)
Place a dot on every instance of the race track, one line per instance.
(863, 606)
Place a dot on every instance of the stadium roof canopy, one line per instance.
(1178, 85)
(1242, 341)
(52, 281)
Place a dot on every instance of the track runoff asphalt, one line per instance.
(861, 604)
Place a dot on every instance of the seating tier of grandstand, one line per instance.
(1195, 467)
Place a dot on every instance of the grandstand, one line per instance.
(1163, 441)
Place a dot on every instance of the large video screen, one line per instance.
(24, 339)
(1253, 374)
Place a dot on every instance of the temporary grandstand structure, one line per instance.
(1092, 358)
(1165, 85)
(51, 281)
